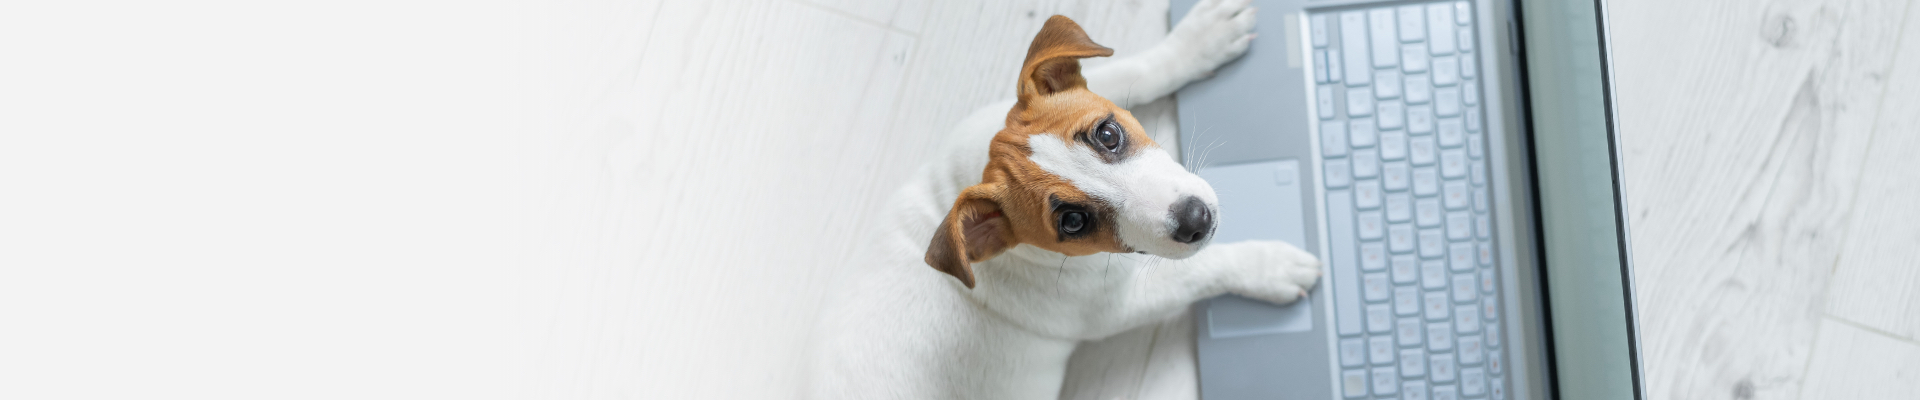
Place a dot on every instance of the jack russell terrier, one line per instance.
(1014, 238)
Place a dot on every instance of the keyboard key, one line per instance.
(1413, 57)
(1476, 148)
(1386, 85)
(1395, 176)
(1334, 65)
(1493, 362)
(1354, 383)
(1486, 253)
(1426, 181)
(1433, 275)
(1456, 194)
(1386, 50)
(1380, 320)
(1450, 133)
(1453, 166)
(1413, 362)
(1478, 173)
(1468, 66)
(1320, 67)
(1426, 212)
(1373, 256)
(1445, 70)
(1485, 226)
(1464, 291)
(1406, 301)
(1433, 244)
(1323, 101)
(1366, 195)
(1460, 256)
(1379, 287)
(1359, 104)
(1446, 101)
(1399, 207)
(1440, 334)
(1489, 309)
(1408, 331)
(1419, 90)
(1392, 115)
(1318, 22)
(1400, 238)
(1498, 391)
(1420, 119)
(1360, 133)
(1443, 392)
(1406, 269)
(1421, 149)
(1439, 31)
(1413, 23)
(1461, 13)
(1464, 39)
(1385, 381)
(1393, 145)
(1493, 338)
(1333, 138)
(1486, 288)
(1470, 95)
(1473, 119)
(1480, 200)
(1342, 264)
(1472, 382)
(1414, 390)
(1470, 349)
(1353, 352)
(1466, 319)
(1353, 45)
(1337, 173)
(1366, 163)
(1369, 223)
(1459, 224)
(1380, 350)
(1440, 367)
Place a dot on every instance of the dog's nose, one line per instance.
(1194, 219)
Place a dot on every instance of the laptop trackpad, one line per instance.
(1258, 201)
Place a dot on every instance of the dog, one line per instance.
(992, 269)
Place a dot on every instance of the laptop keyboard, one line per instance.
(1407, 202)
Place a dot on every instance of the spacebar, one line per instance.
(1344, 261)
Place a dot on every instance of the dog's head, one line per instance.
(1072, 173)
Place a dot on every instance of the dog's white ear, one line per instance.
(974, 231)
(1053, 60)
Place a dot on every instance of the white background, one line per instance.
(620, 199)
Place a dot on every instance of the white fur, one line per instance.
(898, 329)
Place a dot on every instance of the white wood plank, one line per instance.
(1877, 283)
(696, 149)
(1743, 132)
(1854, 363)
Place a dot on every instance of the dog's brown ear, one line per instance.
(974, 231)
(1053, 60)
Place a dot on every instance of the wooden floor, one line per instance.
(714, 162)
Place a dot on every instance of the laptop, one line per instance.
(1453, 163)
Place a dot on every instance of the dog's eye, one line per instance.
(1073, 222)
(1108, 136)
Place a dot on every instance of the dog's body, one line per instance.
(901, 330)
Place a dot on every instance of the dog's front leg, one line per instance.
(1213, 33)
(1272, 271)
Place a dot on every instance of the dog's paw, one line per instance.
(1280, 273)
(1213, 33)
